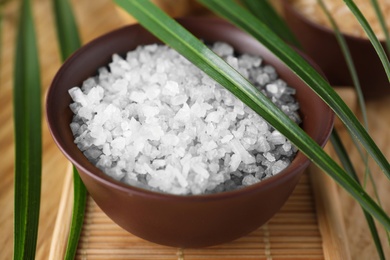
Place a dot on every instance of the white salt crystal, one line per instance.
(179, 177)
(235, 161)
(170, 139)
(245, 156)
(269, 156)
(199, 168)
(179, 151)
(262, 144)
(286, 146)
(104, 162)
(159, 78)
(120, 86)
(93, 153)
(248, 61)
(223, 49)
(171, 88)
(185, 162)
(74, 107)
(151, 47)
(140, 168)
(158, 163)
(179, 100)
(152, 92)
(199, 110)
(226, 138)
(115, 173)
(88, 85)
(106, 149)
(125, 125)
(167, 126)
(273, 89)
(214, 117)
(249, 180)
(183, 114)
(210, 145)
(85, 112)
(151, 132)
(214, 167)
(270, 71)
(263, 79)
(145, 57)
(210, 128)
(276, 138)
(149, 111)
(99, 135)
(74, 127)
(78, 96)
(134, 125)
(95, 95)
(118, 143)
(278, 166)
(133, 77)
(239, 108)
(137, 96)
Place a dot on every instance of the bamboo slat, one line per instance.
(293, 233)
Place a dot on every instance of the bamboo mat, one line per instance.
(296, 232)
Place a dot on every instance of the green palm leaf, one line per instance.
(382, 21)
(337, 144)
(185, 43)
(371, 35)
(67, 33)
(28, 143)
(243, 19)
(348, 166)
(267, 14)
(69, 40)
(78, 212)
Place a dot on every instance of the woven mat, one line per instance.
(295, 232)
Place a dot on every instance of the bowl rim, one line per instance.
(99, 176)
(290, 7)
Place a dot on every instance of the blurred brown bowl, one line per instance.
(180, 221)
(320, 44)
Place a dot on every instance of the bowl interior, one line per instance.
(320, 43)
(317, 117)
(290, 5)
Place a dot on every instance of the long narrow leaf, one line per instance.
(67, 32)
(28, 144)
(243, 19)
(169, 31)
(352, 70)
(267, 14)
(371, 35)
(78, 212)
(382, 22)
(348, 166)
(261, 9)
(69, 40)
(340, 150)
(348, 59)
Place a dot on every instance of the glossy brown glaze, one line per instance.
(320, 44)
(180, 221)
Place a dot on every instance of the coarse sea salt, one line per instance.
(154, 120)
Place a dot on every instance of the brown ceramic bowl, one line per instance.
(180, 221)
(320, 44)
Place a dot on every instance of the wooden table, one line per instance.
(94, 20)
